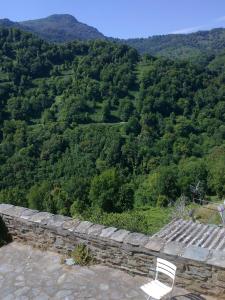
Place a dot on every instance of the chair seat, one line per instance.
(156, 289)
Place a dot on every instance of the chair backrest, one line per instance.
(166, 267)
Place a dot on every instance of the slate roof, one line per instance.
(190, 233)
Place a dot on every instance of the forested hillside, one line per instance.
(190, 46)
(93, 128)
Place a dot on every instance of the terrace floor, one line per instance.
(27, 273)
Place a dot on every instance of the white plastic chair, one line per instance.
(156, 289)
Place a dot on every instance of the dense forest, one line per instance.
(96, 130)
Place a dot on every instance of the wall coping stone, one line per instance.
(95, 230)
(136, 239)
(196, 253)
(83, 227)
(142, 243)
(217, 258)
(40, 217)
(155, 244)
(15, 211)
(174, 248)
(4, 207)
(26, 214)
(119, 235)
(107, 232)
(70, 225)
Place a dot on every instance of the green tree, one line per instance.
(216, 170)
(104, 190)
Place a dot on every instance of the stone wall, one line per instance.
(199, 270)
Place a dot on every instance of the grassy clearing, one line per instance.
(208, 214)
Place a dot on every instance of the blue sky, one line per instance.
(126, 18)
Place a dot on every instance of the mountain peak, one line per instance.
(61, 28)
(55, 19)
(62, 18)
(6, 23)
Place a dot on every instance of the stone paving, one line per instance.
(30, 274)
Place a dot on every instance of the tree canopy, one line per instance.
(94, 126)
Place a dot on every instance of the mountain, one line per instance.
(64, 28)
(191, 45)
(57, 28)
(8, 23)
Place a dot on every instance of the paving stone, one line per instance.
(104, 287)
(42, 283)
(62, 294)
(21, 291)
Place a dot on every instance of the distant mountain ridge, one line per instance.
(181, 45)
(57, 28)
(64, 28)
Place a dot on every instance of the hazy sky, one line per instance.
(126, 18)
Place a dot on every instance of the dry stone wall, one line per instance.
(199, 269)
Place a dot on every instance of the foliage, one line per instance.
(216, 165)
(81, 255)
(91, 126)
(147, 220)
(109, 194)
(159, 188)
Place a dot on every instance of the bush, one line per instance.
(147, 220)
(81, 255)
(162, 201)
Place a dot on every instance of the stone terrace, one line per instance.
(30, 274)
(197, 250)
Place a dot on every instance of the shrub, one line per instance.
(146, 220)
(81, 255)
(162, 201)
